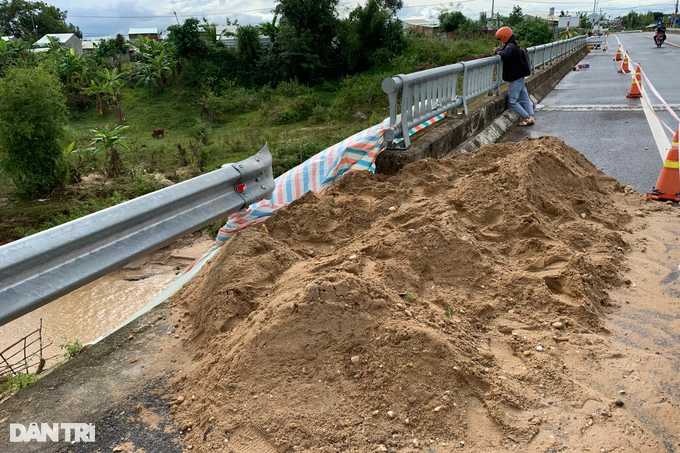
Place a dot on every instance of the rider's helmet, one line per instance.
(504, 33)
(659, 22)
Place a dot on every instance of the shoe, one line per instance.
(525, 122)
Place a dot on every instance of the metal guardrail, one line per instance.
(40, 268)
(426, 94)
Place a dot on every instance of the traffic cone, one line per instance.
(619, 57)
(624, 66)
(635, 87)
(668, 185)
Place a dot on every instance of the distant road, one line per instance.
(589, 110)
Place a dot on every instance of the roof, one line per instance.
(143, 31)
(221, 29)
(421, 22)
(8, 38)
(89, 45)
(545, 16)
(61, 37)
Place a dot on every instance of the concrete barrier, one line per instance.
(457, 133)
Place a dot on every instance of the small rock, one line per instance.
(539, 348)
(557, 325)
(408, 313)
(407, 421)
(390, 414)
(133, 360)
(527, 353)
(645, 147)
(628, 188)
(669, 203)
(438, 408)
(416, 444)
(131, 337)
(376, 412)
(583, 215)
(622, 392)
(360, 116)
(507, 330)
(639, 213)
(392, 209)
(355, 360)
(352, 257)
(381, 447)
(618, 403)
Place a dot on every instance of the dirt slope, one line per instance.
(417, 311)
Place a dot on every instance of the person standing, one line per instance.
(518, 96)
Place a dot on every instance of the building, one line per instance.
(88, 46)
(426, 26)
(232, 41)
(151, 33)
(8, 38)
(66, 40)
(549, 17)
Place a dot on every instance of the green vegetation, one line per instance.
(32, 120)
(318, 82)
(13, 383)
(72, 347)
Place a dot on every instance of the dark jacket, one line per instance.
(511, 64)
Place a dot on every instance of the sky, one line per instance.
(105, 18)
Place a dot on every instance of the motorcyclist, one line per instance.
(660, 31)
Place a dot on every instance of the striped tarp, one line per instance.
(317, 173)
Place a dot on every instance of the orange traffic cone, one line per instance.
(624, 66)
(635, 87)
(668, 185)
(619, 57)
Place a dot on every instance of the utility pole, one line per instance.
(676, 10)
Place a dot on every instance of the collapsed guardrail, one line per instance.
(426, 94)
(40, 268)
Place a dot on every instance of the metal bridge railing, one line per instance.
(423, 95)
(40, 268)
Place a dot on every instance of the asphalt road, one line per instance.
(589, 110)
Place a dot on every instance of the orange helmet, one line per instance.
(504, 33)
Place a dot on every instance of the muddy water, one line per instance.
(91, 311)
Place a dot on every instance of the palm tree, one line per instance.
(108, 140)
(99, 90)
(147, 76)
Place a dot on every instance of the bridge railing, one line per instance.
(40, 268)
(417, 97)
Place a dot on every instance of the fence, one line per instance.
(19, 357)
(424, 95)
(40, 268)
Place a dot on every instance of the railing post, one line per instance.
(465, 87)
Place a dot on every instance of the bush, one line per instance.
(32, 127)
(533, 32)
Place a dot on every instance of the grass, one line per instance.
(204, 130)
(13, 383)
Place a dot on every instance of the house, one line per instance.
(66, 40)
(88, 46)
(232, 41)
(151, 33)
(549, 17)
(8, 38)
(426, 26)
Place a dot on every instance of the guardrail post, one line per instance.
(465, 88)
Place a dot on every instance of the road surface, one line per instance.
(589, 110)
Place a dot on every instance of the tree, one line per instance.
(371, 34)
(306, 38)
(32, 124)
(452, 20)
(249, 46)
(112, 81)
(110, 141)
(186, 38)
(33, 20)
(515, 17)
(533, 32)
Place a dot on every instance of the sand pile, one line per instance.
(392, 313)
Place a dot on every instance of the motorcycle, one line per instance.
(659, 38)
